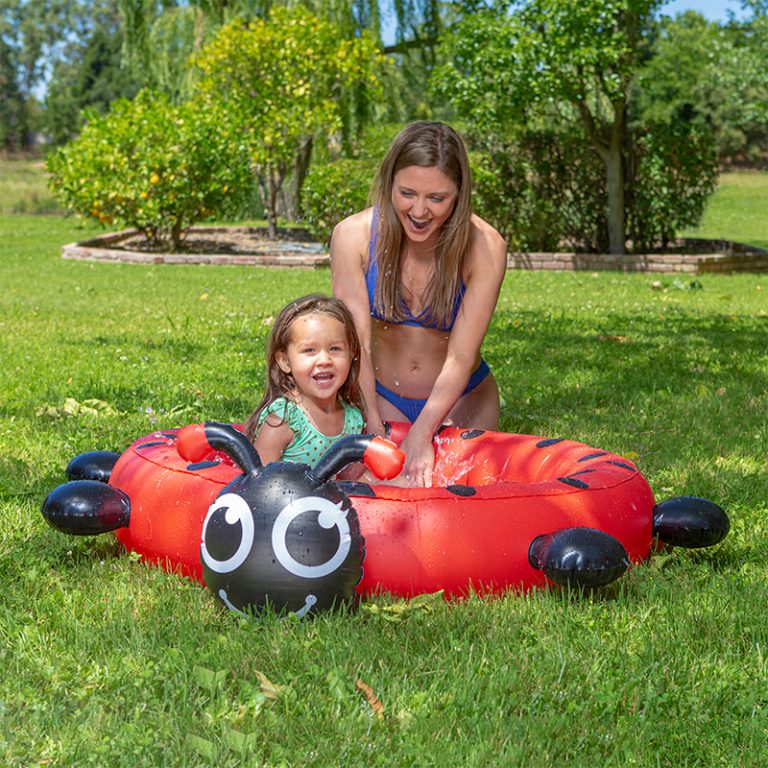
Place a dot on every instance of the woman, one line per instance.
(421, 275)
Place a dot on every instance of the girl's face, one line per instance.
(423, 198)
(318, 357)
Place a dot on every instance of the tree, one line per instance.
(711, 75)
(278, 81)
(153, 165)
(567, 57)
(11, 102)
(90, 76)
(32, 32)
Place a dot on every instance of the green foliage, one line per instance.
(543, 192)
(333, 191)
(88, 81)
(546, 91)
(570, 58)
(674, 175)
(276, 80)
(108, 662)
(11, 101)
(713, 76)
(546, 190)
(336, 188)
(153, 166)
(32, 35)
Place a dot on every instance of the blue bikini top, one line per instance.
(372, 275)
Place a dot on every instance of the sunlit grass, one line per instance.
(110, 663)
(737, 211)
(24, 188)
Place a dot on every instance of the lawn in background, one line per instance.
(110, 663)
(738, 210)
(24, 188)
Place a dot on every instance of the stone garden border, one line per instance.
(724, 256)
(283, 252)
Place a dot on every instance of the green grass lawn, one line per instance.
(110, 663)
(24, 188)
(737, 211)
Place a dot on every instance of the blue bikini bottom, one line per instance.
(411, 408)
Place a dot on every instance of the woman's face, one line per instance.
(423, 199)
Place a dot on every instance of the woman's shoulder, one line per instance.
(486, 241)
(357, 226)
(486, 234)
(487, 254)
(350, 240)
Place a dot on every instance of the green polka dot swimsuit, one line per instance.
(309, 445)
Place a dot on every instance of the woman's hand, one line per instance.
(374, 424)
(419, 460)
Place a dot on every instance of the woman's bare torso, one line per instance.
(407, 359)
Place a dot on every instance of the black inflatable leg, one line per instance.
(86, 507)
(579, 557)
(688, 521)
(94, 465)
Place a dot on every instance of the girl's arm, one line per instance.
(484, 270)
(273, 437)
(349, 261)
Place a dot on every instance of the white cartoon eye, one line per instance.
(234, 511)
(329, 515)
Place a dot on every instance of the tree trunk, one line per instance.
(614, 172)
(300, 168)
(610, 152)
(272, 190)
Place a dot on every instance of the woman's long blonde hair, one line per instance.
(282, 384)
(429, 145)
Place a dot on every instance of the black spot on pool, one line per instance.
(548, 442)
(573, 482)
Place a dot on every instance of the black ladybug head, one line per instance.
(277, 536)
(284, 535)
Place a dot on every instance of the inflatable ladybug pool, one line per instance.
(505, 512)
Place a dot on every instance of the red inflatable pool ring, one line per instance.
(493, 495)
(506, 511)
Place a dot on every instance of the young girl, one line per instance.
(312, 397)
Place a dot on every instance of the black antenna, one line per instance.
(346, 451)
(224, 437)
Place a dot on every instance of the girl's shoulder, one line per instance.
(353, 418)
(284, 411)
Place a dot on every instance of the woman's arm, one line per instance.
(349, 261)
(484, 270)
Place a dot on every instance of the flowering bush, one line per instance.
(153, 166)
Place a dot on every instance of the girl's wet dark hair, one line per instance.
(281, 384)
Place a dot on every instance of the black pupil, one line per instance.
(222, 538)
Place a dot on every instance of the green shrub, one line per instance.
(543, 192)
(546, 190)
(333, 191)
(674, 174)
(153, 166)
